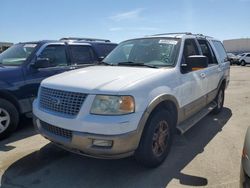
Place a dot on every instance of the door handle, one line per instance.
(203, 75)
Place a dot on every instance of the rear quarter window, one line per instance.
(221, 50)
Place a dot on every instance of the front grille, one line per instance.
(56, 130)
(64, 102)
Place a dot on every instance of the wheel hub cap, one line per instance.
(160, 138)
(4, 120)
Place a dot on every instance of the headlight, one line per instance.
(112, 105)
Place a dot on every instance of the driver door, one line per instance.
(58, 63)
(193, 83)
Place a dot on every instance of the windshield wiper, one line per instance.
(131, 63)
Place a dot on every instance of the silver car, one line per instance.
(245, 162)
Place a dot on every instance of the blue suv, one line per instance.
(24, 65)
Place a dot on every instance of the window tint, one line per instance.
(81, 54)
(207, 51)
(104, 49)
(56, 55)
(221, 50)
(248, 55)
(190, 48)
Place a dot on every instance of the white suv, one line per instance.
(244, 59)
(133, 103)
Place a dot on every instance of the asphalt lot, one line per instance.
(207, 155)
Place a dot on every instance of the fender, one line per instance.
(224, 78)
(11, 98)
(152, 105)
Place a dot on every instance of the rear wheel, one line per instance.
(9, 118)
(156, 139)
(219, 100)
(243, 63)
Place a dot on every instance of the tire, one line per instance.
(243, 63)
(156, 139)
(219, 100)
(9, 118)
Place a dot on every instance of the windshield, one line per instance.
(16, 54)
(157, 52)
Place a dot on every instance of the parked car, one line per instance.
(244, 59)
(232, 58)
(148, 88)
(24, 65)
(245, 162)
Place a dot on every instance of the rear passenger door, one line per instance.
(82, 55)
(212, 71)
(223, 62)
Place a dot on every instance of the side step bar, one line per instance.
(190, 122)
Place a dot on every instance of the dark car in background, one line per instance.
(24, 65)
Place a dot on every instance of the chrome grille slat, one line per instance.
(69, 102)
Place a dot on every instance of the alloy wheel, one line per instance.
(161, 138)
(4, 120)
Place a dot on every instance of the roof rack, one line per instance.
(84, 39)
(201, 35)
(180, 33)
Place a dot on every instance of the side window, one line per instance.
(221, 51)
(207, 51)
(56, 55)
(190, 48)
(82, 54)
(104, 49)
(248, 55)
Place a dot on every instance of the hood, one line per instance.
(98, 79)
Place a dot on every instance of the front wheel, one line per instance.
(219, 101)
(9, 118)
(156, 139)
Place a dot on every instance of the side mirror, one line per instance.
(101, 58)
(41, 63)
(195, 62)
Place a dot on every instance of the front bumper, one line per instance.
(123, 145)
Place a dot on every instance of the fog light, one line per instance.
(102, 143)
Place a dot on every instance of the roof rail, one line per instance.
(84, 39)
(180, 33)
(201, 35)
